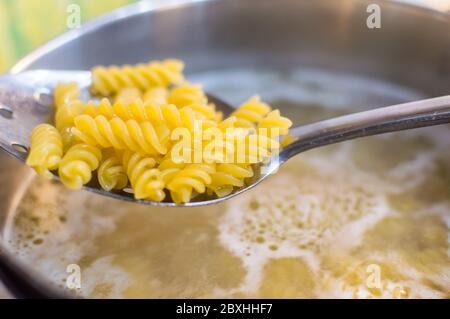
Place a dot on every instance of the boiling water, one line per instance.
(363, 219)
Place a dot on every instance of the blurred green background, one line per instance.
(26, 24)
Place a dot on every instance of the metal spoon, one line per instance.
(26, 99)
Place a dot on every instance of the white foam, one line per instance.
(68, 242)
(103, 271)
(324, 224)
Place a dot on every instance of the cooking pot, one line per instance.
(411, 49)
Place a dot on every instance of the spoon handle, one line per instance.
(387, 119)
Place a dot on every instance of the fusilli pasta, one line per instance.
(187, 94)
(111, 174)
(163, 114)
(190, 181)
(77, 165)
(274, 120)
(107, 81)
(156, 96)
(227, 176)
(46, 149)
(127, 95)
(65, 92)
(122, 135)
(251, 112)
(67, 107)
(145, 179)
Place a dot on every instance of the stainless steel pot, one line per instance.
(412, 48)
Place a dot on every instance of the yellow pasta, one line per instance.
(164, 114)
(67, 107)
(274, 120)
(65, 114)
(246, 146)
(65, 92)
(77, 165)
(46, 149)
(251, 112)
(156, 96)
(192, 95)
(127, 95)
(248, 149)
(107, 81)
(169, 168)
(187, 94)
(208, 111)
(168, 163)
(122, 135)
(258, 148)
(190, 181)
(145, 179)
(111, 174)
(156, 133)
(104, 107)
(227, 176)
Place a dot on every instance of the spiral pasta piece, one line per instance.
(77, 165)
(156, 96)
(187, 94)
(65, 92)
(237, 145)
(251, 112)
(221, 148)
(111, 174)
(192, 95)
(46, 150)
(66, 114)
(274, 120)
(169, 168)
(244, 145)
(67, 107)
(127, 95)
(107, 81)
(208, 111)
(253, 148)
(145, 179)
(227, 176)
(130, 135)
(104, 108)
(164, 114)
(189, 181)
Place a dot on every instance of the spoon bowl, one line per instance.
(26, 101)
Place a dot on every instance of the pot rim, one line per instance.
(22, 281)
